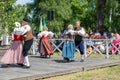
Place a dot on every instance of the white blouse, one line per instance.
(45, 33)
(18, 31)
(72, 32)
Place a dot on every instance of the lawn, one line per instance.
(109, 73)
(93, 55)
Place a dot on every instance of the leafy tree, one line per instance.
(11, 13)
(62, 12)
(90, 18)
(100, 14)
(79, 9)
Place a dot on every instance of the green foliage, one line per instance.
(10, 14)
(62, 12)
(79, 9)
(65, 12)
(113, 6)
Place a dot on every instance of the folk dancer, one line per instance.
(14, 54)
(28, 41)
(79, 42)
(45, 47)
(69, 45)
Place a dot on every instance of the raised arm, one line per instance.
(81, 32)
(26, 28)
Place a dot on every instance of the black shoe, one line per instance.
(5, 66)
(67, 59)
(82, 60)
(20, 64)
(72, 60)
(26, 67)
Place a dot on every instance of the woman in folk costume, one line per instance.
(14, 54)
(45, 47)
(69, 45)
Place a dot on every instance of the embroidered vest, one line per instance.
(29, 35)
(78, 37)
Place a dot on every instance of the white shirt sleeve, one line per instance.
(70, 31)
(45, 33)
(51, 33)
(81, 32)
(26, 29)
(39, 35)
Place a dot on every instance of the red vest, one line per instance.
(45, 37)
(17, 37)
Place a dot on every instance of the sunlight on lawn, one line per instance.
(93, 55)
(109, 73)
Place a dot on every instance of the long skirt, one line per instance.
(14, 54)
(68, 49)
(45, 47)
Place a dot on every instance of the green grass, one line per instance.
(93, 55)
(77, 55)
(109, 73)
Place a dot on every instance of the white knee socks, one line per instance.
(82, 57)
(26, 61)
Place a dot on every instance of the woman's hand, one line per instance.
(76, 32)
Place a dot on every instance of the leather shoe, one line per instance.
(82, 60)
(20, 64)
(26, 67)
(5, 66)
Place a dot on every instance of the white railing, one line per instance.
(101, 46)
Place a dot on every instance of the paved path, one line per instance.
(41, 67)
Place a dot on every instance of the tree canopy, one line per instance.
(97, 14)
(10, 13)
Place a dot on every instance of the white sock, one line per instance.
(26, 62)
(82, 57)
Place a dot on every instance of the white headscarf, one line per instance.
(17, 25)
(18, 29)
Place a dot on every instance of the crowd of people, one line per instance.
(23, 39)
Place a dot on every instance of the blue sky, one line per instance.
(23, 1)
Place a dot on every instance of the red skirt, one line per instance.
(14, 54)
(45, 47)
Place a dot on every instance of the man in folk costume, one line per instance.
(28, 40)
(79, 35)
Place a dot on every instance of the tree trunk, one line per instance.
(100, 15)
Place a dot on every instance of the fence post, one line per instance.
(107, 49)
